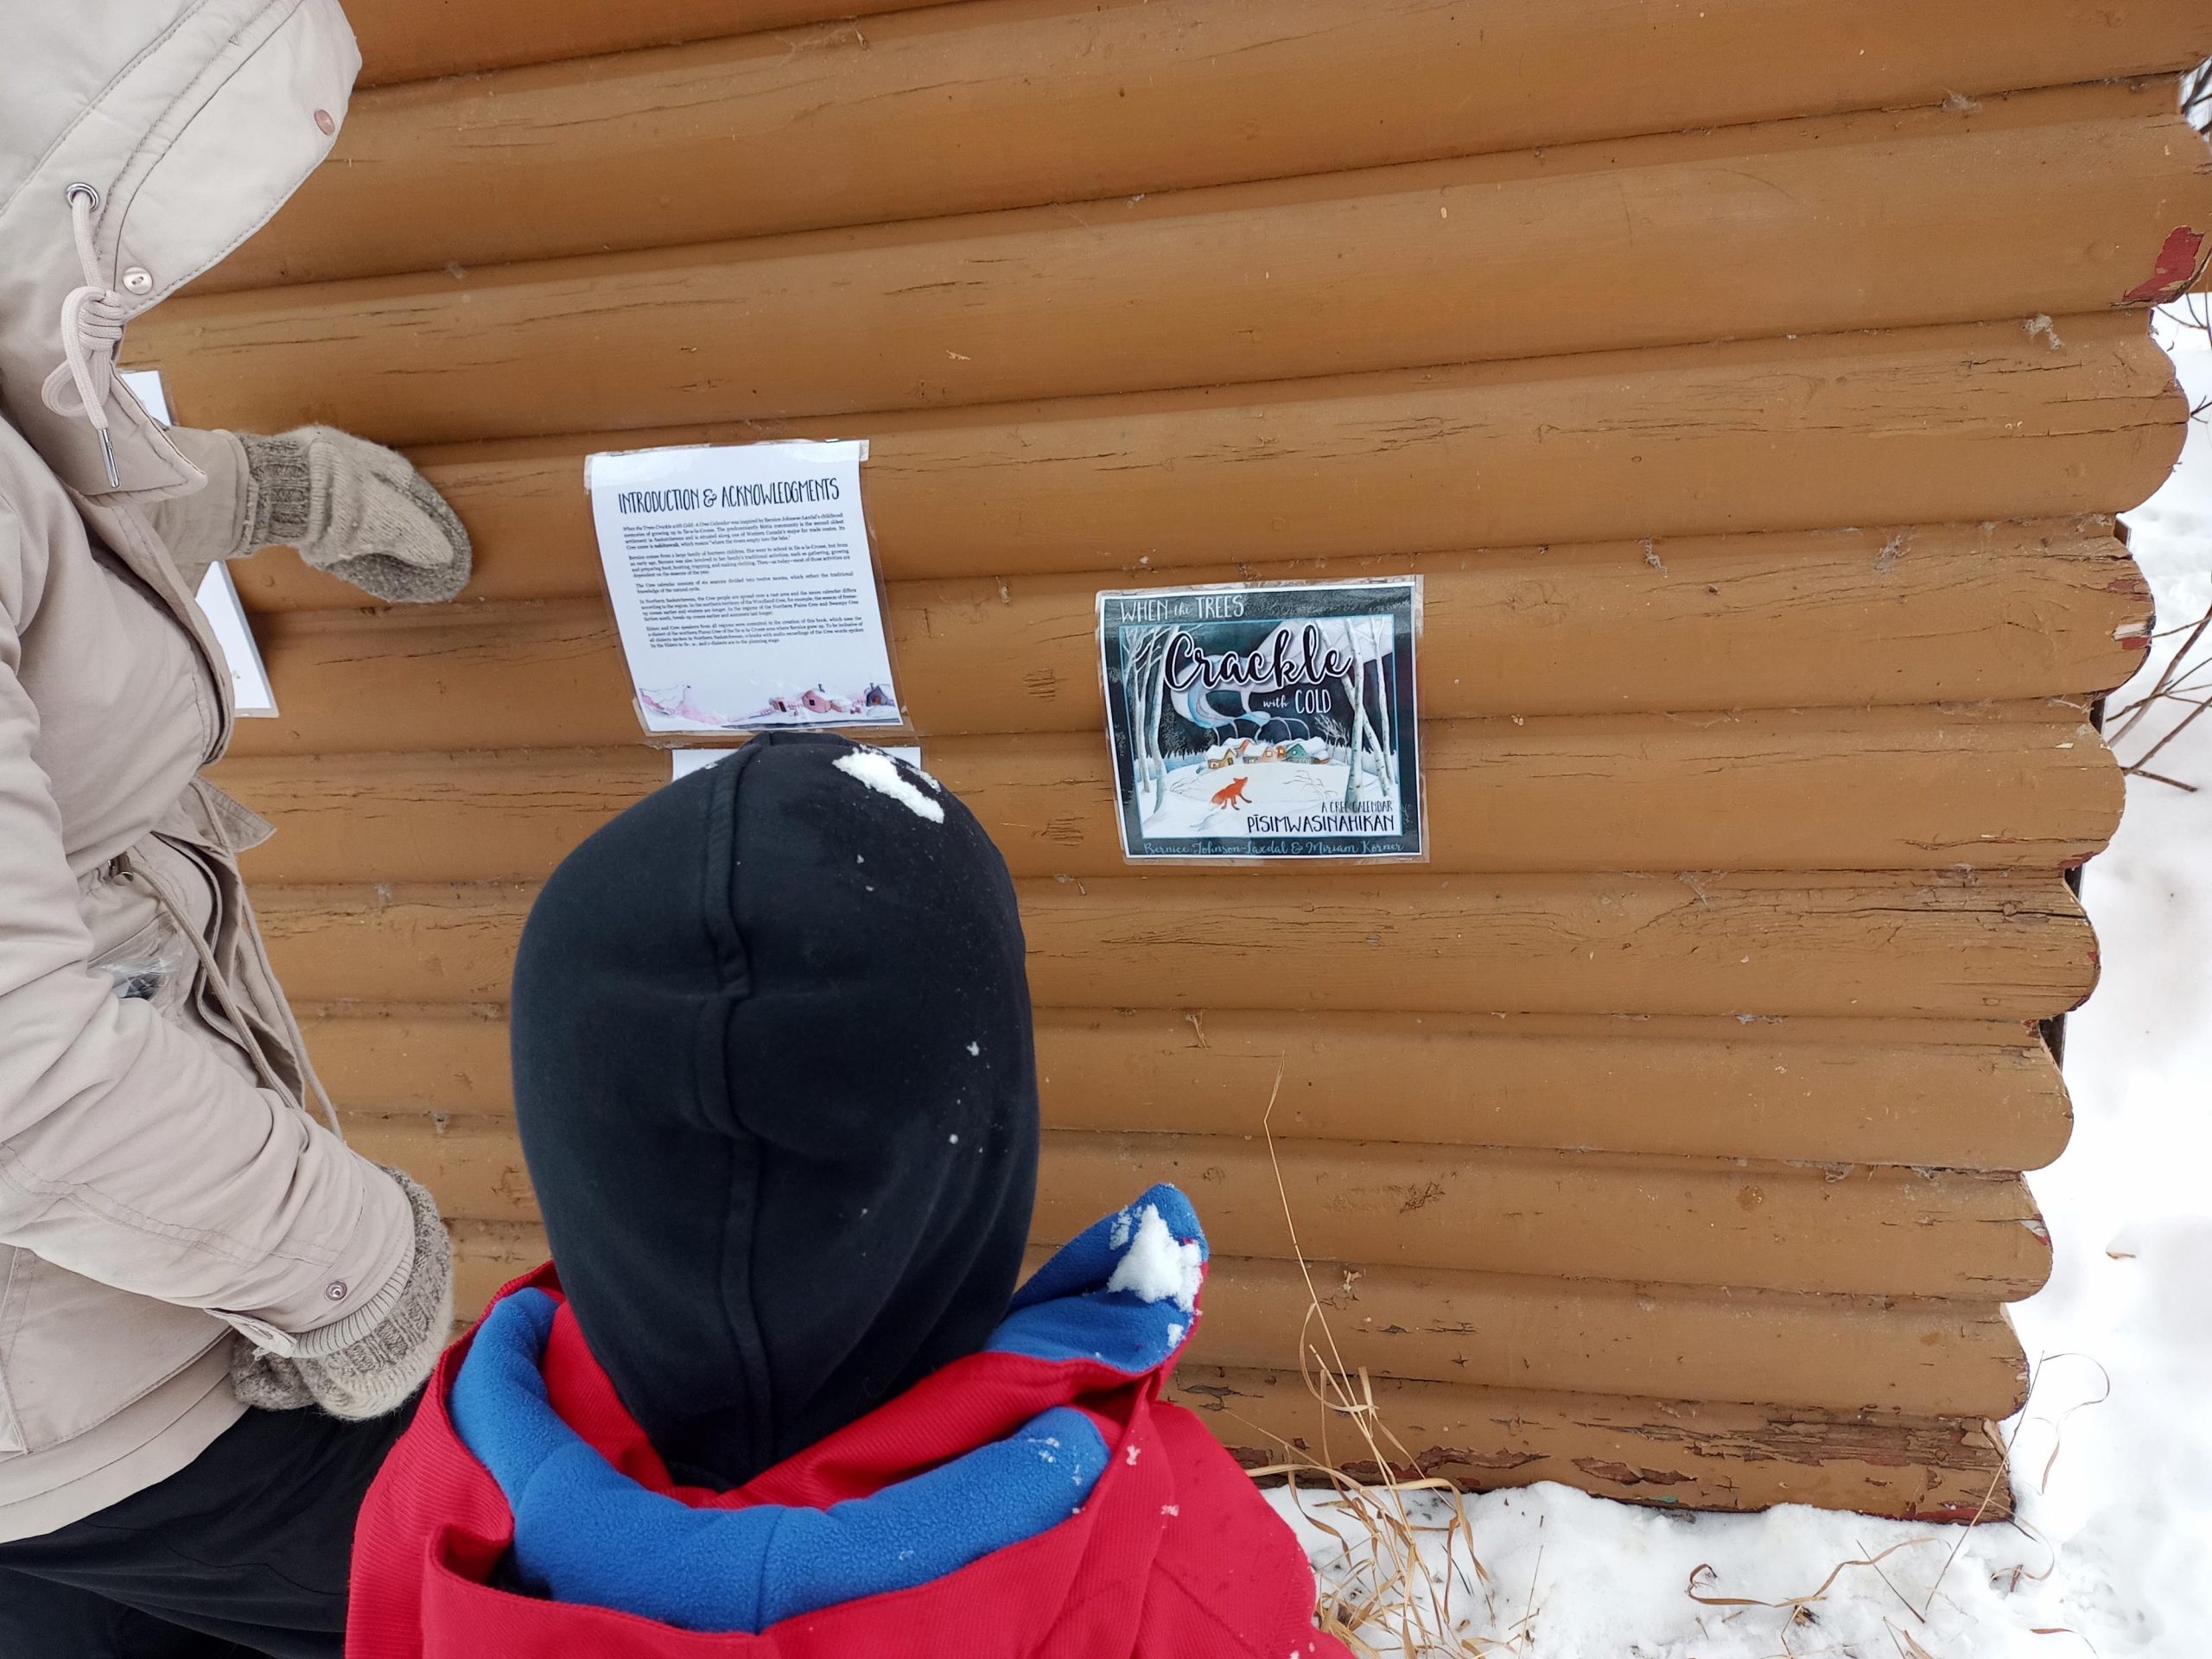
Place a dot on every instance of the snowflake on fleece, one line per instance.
(1123, 1293)
(873, 769)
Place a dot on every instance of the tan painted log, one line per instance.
(1735, 621)
(436, 1059)
(486, 1255)
(2055, 203)
(532, 674)
(1954, 425)
(1732, 623)
(1753, 791)
(1882, 1232)
(1836, 1353)
(1835, 1091)
(1746, 624)
(2015, 948)
(1829, 1353)
(1700, 64)
(1871, 791)
(2012, 947)
(485, 816)
(1697, 1454)
(1960, 1095)
(925, 116)
(411, 40)
(1576, 1215)
(1737, 1457)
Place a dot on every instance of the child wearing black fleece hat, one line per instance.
(774, 1078)
(773, 1072)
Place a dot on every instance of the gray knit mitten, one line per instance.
(358, 509)
(371, 1360)
(265, 1382)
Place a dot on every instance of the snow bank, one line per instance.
(2129, 1503)
(1564, 1575)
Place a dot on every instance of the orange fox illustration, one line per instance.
(1232, 794)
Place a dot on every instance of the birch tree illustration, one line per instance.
(1144, 689)
(1367, 640)
(1386, 737)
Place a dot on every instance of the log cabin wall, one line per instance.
(1751, 381)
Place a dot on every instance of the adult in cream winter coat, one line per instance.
(181, 1239)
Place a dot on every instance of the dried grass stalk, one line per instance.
(1386, 1603)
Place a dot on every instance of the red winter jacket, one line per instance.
(1036, 1501)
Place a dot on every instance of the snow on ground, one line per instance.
(2114, 1559)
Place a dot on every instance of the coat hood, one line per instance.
(140, 141)
(1038, 1499)
(1108, 1312)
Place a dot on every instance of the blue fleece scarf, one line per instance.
(1122, 1294)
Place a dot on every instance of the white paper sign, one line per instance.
(250, 693)
(146, 385)
(743, 586)
(218, 594)
(681, 763)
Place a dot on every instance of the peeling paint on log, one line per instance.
(1687, 1453)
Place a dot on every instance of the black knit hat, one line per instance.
(774, 1071)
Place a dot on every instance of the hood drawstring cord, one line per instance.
(92, 329)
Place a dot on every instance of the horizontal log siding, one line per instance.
(1957, 426)
(1722, 625)
(1968, 1094)
(879, 117)
(1880, 1232)
(2055, 203)
(2000, 947)
(1754, 409)
(1704, 1453)
(1956, 1360)
(1886, 790)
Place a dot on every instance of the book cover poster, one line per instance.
(1265, 721)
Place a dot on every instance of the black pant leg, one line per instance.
(249, 1545)
(41, 1619)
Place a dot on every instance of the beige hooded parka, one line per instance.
(162, 1182)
